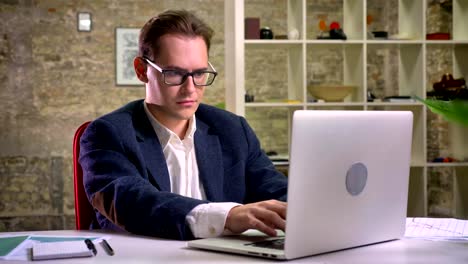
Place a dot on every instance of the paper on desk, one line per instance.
(9, 244)
(448, 229)
(56, 238)
(23, 250)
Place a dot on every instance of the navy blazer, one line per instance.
(127, 181)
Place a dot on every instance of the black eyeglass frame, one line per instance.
(185, 76)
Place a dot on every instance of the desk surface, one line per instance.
(136, 249)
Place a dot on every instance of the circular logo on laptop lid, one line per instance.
(356, 178)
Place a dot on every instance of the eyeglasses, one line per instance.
(178, 77)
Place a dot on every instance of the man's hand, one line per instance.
(265, 216)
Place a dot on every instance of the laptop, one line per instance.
(347, 185)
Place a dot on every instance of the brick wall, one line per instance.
(52, 79)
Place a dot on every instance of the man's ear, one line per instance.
(140, 69)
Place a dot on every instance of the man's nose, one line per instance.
(188, 85)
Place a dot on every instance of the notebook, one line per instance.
(57, 250)
(347, 185)
(9, 245)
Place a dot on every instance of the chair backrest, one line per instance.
(84, 212)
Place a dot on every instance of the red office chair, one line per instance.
(84, 212)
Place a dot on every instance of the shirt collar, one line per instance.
(165, 134)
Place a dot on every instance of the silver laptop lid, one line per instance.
(348, 179)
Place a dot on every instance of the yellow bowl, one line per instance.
(330, 93)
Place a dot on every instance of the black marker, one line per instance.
(91, 246)
(107, 247)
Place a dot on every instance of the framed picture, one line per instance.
(126, 42)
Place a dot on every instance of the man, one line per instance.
(169, 166)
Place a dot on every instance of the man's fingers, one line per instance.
(277, 206)
(268, 217)
(261, 226)
(272, 219)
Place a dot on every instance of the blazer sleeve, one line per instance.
(119, 186)
(263, 180)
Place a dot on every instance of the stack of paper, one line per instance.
(448, 229)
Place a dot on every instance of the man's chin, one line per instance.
(186, 114)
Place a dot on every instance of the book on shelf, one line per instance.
(406, 99)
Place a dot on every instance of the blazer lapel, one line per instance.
(151, 149)
(210, 162)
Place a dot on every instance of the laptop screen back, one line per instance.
(348, 179)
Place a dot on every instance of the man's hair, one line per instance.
(180, 22)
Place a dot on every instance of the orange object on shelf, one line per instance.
(369, 19)
(322, 25)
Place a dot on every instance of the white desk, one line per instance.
(135, 249)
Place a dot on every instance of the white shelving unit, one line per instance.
(410, 56)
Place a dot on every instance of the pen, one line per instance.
(91, 246)
(107, 247)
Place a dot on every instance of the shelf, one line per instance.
(333, 41)
(394, 42)
(355, 42)
(417, 165)
(446, 42)
(278, 70)
(281, 163)
(417, 205)
(447, 164)
(271, 42)
(395, 104)
(260, 104)
(346, 107)
(460, 15)
(348, 13)
(328, 104)
(399, 69)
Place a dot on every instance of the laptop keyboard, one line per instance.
(274, 244)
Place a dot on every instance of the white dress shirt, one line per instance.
(205, 220)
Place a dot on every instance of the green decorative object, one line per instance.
(454, 110)
(221, 105)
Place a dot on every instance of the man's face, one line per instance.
(173, 104)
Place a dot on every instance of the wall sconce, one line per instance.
(84, 21)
